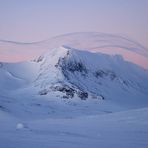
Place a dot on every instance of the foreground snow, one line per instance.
(123, 129)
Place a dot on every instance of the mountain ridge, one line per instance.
(66, 80)
(73, 64)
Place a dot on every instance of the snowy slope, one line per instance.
(94, 75)
(17, 75)
(123, 129)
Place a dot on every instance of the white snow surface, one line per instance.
(73, 98)
(122, 129)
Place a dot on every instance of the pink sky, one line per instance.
(35, 20)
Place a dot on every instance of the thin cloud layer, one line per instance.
(100, 42)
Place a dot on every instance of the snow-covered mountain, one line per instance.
(79, 96)
(73, 74)
(83, 74)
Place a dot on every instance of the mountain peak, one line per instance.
(83, 73)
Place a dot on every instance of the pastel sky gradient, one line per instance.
(34, 20)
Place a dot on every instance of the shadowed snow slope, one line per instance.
(16, 75)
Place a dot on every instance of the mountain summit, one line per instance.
(77, 73)
(68, 82)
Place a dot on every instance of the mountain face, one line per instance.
(62, 79)
(83, 74)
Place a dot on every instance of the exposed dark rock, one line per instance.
(65, 97)
(65, 89)
(43, 92)
(100, 73)
(102, 97)
(71, 66)
(125, 82)
(103, 74)
(83, 95)
(75, 66)
(1, 64)
(70, 92)
(40, 58)
(112, 76)
(3, 108)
